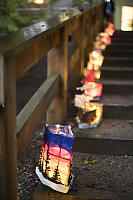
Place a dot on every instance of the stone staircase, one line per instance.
(115, 134)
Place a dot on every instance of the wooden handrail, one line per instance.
(34, 111)
(19, 51)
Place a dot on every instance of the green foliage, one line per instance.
(78, 3)
(10, 19)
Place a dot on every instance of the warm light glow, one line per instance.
(96, 57)
(90, 76)
(93, 89)
(38, 1)
(89, 66)
(80, 100)
(90, 113)
(109, 31)
(127, 18)
(99, 44)
(97, 74)
(105, 38)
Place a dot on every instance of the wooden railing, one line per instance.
(19, 52)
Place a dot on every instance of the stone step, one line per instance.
(112, 137)
(44, 192)
(122, 87)
(117, 106)
(119, 33)
(116, 73)
(118, 52)
(122, 39)
(118, 61)
(120, 45)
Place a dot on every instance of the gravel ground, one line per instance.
(109, 173)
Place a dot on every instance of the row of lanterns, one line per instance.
(54, 167)
(89, 110)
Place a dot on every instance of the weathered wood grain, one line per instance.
(9, 133)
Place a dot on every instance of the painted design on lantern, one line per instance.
(56, 154)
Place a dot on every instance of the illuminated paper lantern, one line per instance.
(91, 66)
(54, 168)
(38, 1)
(89, 115)
(94, 90)
(98, 44)
(109, 31)
(81, 99)
(105, 38)
(110, 25)
(90, 76)
(96, 57)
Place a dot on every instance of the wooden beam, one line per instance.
(73, 25)
(1, 80)
(32, 54)
(58, 63)
(3, 187)
(33, 113)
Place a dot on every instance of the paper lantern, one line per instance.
(81, 99)
(109, 31)
(91, 66)
(89, 115)
(110, 25)
(38, 1)
(98, 44)
(54, 168)
(94, 90)
(96, 57)
(105, 38)
(90, 76)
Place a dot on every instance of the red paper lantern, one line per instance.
(90, 76)
(109, 31)
(94, 90)
(105, 38)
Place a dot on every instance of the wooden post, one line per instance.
(8, 153)
(58, 63)
(1, 80)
